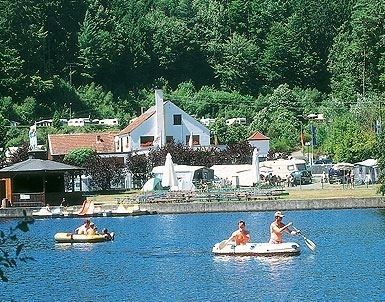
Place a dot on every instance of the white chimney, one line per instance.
(160, 134)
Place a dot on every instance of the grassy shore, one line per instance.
(308, 192)
(329, 192)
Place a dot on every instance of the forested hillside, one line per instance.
(271, 61)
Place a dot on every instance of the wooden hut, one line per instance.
(38, 182)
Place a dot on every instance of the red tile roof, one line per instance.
(61, 144)
(138, 121)
(258, 136)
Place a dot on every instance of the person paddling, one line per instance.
(277, 228)
(240, 236)
(83, 228)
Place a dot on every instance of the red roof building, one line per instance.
(260, 141)
(60, 144)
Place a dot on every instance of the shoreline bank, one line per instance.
(236, 206)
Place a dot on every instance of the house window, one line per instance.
(177, 119)
(196, 141)
(146, 141)
(169, 139)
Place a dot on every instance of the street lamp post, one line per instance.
(311, 117)
(301, 117)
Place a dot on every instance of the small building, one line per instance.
(103, 143)
(38, 182)
(261, 142)
(160, 124)
(60, 145)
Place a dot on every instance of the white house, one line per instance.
(162, 123)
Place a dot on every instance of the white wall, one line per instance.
(189, 125)
(262, 145)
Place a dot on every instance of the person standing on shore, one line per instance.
(277, 228)
(240, 236)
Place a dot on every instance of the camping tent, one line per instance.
(153, 184)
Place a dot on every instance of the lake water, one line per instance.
(168, 258)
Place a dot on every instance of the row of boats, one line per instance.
(229, 249)
(223, 248)
(249, 249)
(89, 210)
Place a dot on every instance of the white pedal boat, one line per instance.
(257, 249)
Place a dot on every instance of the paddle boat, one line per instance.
(47, 212)
(81, 238)
(225, 248)
(130, 210)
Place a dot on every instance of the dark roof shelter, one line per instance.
(38, 182)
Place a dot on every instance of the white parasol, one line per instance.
(169, 176)
(255, 165)
(190, 141)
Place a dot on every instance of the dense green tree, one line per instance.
(268, 61)
(98, 42)
(79, 157)
(99, 103)
(19, 155)
(27, 111)
(347, 141)
(12, 77)
(3, 134)
(380, 156)
(237, 67)
(105, 173)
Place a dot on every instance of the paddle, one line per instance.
(310, 244)
(223, 243)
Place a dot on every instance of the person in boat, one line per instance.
(240, 236)
(92, 230)
(84, 227)
(277, 228)
(107, 235)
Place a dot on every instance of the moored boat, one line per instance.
(81, 238)
(47, 212)
(257, 249)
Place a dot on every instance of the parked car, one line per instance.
(338, 176)
(301, 177)
(324, 161)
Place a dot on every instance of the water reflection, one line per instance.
(75, 246)
(234, 259)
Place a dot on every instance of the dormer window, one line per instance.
(177, 119)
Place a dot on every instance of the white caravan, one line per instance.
(283, 167)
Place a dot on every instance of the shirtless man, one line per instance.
(240, 236)
(277, 228)
(84, 227)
